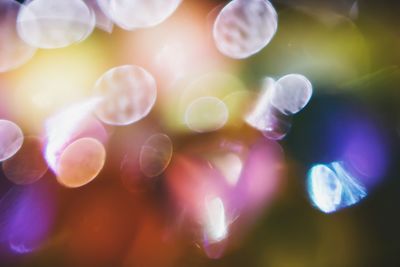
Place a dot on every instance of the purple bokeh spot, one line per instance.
(365, 152)
(26, 215)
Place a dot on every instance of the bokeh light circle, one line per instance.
(28, 164)
(292, 93)
(127, 94)
(132, 14)
(244, 27)
(81, 162)
(155, 155)
(206, 114)
(13, 51)
(55, 23)
(11, 139)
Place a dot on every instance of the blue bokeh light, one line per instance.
(331, 187)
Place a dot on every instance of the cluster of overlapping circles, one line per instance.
(126, 94)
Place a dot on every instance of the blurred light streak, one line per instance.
(215, 224)
(264, 117)
(354, 11)
(277, 101)
(331, 187)
(62, 128)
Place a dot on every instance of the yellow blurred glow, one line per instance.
(206, 114)
(54, 79)
(215, 84)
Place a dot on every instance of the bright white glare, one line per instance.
(13, 51)
(133, 14)
(11, 139)
(259, 114)
(127, 94)
(55, 23)
(244, 27)
(277, 101)
(206, 114)
(292, 93)
(332, 187)
(215, 226)
(230, 165)
(62, 127)
(155, 155)
(264, 117)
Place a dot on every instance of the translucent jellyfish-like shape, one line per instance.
(28, 165)
(81, 162)
(292, 93)
(11, 139)
(132, 14)
(264, 117)
(331, 187)
(155, 155)
(206, 114)
(244, 27)
(55, 23)
(127, 94)
(13, 51)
